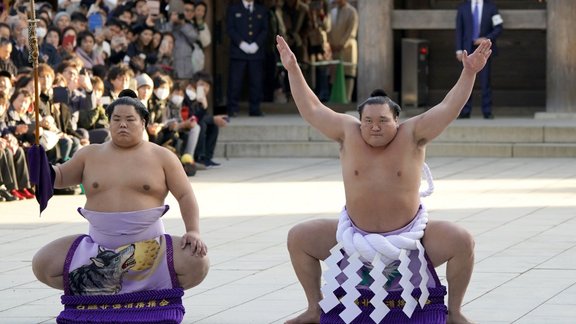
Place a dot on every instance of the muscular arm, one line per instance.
(433, 122)
(324, 119)
(177, 182)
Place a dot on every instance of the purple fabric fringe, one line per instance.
(124, 308)
(433, 313)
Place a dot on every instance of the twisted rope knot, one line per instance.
(388, 247)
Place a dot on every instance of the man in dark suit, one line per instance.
(247, 26)
(476, 21)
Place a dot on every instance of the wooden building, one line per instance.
(536, 65)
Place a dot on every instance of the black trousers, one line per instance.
(14, 169)
(207, 139)
(236, 81)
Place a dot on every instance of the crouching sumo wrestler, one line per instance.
(126, 250)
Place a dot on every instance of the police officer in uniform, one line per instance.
(247, 26)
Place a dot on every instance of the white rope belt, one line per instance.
(379, 251)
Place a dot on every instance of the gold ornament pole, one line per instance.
(33, 58)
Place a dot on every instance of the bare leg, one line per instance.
(48, 262)
(308, 243)
(448, 242)
(191, 270)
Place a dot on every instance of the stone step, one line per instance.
(290, 136)
(442, 149)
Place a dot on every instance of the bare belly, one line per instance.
(382, 218)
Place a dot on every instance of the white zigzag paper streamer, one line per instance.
(377, 273)
(429, 181)
(424, 275)
(381, 251)
(330, 276)
(351, 310)
(407, 286)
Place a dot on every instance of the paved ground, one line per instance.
(521, 211)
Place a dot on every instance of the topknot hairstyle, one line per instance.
(379, 97)
(129, 97)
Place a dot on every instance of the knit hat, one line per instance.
(144, 79)
(60, 15)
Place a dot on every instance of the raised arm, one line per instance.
(433, 122)
(324, 119)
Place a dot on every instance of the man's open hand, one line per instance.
(475, 62)
(286, 56)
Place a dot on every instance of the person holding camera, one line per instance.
(114, 33)
(185, 36)
(55, 117)
(80, 89)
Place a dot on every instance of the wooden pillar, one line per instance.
(375, 47)
(561, 57)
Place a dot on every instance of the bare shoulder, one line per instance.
(350, 123)
(89, 150)
(350, 119)
(161, 152)
(407, 126)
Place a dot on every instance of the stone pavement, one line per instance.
(521, 212)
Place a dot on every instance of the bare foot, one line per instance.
(309, 316)
(457, 319)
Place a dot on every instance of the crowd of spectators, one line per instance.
(317, 31)
(91, 50)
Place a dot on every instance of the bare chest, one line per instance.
(100, 176)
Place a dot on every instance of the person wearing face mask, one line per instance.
(181, 131)
(158, 106)
(47, 52)
(196, 103)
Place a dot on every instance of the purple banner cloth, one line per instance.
(41, 174)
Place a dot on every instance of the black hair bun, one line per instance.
(378, 93)
(128, 93)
